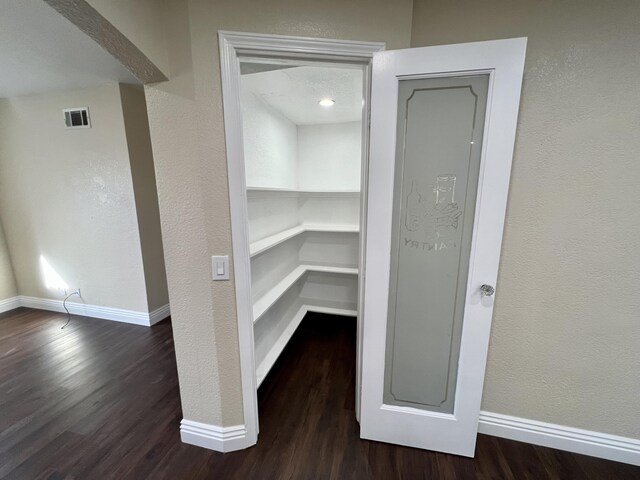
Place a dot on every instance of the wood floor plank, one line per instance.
(100, 400)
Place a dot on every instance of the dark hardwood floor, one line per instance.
(99, 400)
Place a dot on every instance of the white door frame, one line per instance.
(503, 60)
(232, 46)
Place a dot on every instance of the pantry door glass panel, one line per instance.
(440, 123)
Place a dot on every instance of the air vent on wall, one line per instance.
(77, 117)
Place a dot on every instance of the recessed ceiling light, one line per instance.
(327, 102)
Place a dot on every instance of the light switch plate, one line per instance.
(220, 267)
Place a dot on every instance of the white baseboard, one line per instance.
(220, 439)
(9, 304)
(159, 314)
(94, 311)
(586, 442)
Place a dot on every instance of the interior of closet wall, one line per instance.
(303, 199)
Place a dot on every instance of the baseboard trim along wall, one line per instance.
(94, 311)
(9, 304)
(159, 314)
(586, 442)
(220, 439)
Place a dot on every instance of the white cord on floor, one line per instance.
(64, 304)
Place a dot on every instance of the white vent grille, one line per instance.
(77, 117)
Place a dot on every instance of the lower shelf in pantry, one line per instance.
(304, 306)
(267, 300)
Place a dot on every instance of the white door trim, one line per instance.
(504, 61)
(232, 45)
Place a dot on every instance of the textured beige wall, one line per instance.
(141, 21)
(136, 124)
(188, 141)
(68, 195)
(7, 280)
(565, 344)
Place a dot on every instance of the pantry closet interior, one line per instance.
(302, 131)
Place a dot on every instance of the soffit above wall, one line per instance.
(295, 93)
(42, 51)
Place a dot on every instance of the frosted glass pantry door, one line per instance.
(439, 140)
(443, 123)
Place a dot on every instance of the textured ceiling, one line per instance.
(295, 92)
(42, 51)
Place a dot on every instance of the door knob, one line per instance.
(487, 290)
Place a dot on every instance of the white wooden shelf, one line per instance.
(346, 309)
(321, 227)
(276, 349)
(254, 190)
(308, 305)
(271, 241)
(267, 300)
(297, 190)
